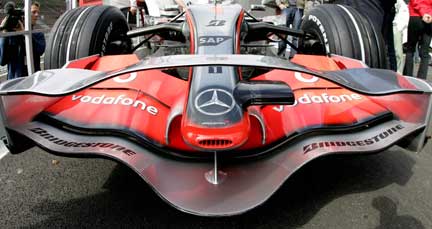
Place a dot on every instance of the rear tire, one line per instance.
(87, 31)
(342, 30)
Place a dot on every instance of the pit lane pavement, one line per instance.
(387, 190)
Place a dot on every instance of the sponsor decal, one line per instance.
(364, 142)
(119, 100)
(212, 40)
(132, 76)
(323, 98)
(214, 102)
(301, 78)
(216, 23)
(61, 142)
(215, 70)
(105, 40)
(321, 28)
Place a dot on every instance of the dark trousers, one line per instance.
(293, 17)
(419, 33)
(12, 50)
(387, 31)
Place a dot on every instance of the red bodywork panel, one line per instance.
(143, 103)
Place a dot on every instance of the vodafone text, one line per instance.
(323, 98)
(120, 99)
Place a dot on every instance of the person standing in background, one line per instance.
(419, 33)
(387, 32)
(163, 6)
(400, 27)
(38, 38)
(293, 11)
(12, 49)
(124, 5)
(310, 4)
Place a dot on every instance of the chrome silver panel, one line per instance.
(260, 119)
(176, 111)
(246, 184)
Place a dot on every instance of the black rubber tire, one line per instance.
(86, 31)
(342, 30)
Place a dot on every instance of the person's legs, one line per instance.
(298, 18)
(387, 31)
(11, 74)
(15, 70)
(13, 67)
(3, 51)
(425, 41)
(413, 34)
(296, 24)
(282, 44)
(391, 51)
(290, 14)
(397, 37)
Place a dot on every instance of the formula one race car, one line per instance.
(206, 112)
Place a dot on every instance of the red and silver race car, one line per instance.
(206, 113)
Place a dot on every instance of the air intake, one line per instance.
(215, 143)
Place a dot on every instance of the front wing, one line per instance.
(242, 186)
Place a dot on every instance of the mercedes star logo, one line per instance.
(214, 102)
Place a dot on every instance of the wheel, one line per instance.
(342, 30)
(87, 31)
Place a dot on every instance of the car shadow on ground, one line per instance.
(128, 202)
(389, 217)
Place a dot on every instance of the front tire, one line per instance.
(87, 31)
(342, 30)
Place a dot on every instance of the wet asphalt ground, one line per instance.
(387, 190)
